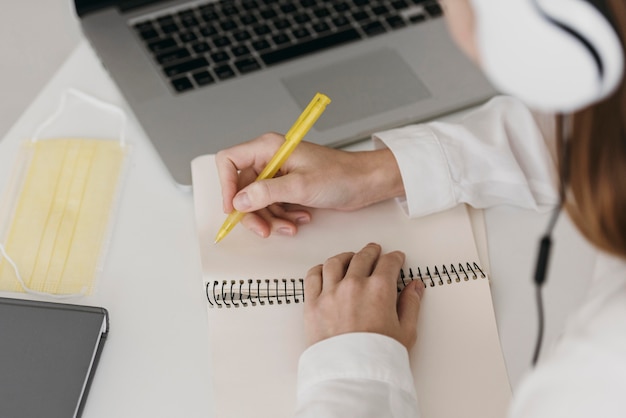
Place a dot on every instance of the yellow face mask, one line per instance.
(60, 220)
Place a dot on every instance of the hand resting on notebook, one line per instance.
(313, 176)
(337, 290)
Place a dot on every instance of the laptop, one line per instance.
(205, 75)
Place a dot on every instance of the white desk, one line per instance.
(155, 362)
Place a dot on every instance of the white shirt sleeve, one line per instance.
(361, 375)
(584, 375)
(496, 155)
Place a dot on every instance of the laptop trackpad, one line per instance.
(359, 87)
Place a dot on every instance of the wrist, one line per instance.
(383, 178)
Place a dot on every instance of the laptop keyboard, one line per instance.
(214, 42)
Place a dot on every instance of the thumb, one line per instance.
(262, 193)
(408, 308)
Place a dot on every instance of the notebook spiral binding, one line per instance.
(244, 293)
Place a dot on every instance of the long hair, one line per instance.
(596, 162)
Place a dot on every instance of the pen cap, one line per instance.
(315, 108)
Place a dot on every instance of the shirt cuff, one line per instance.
(358, 355)
(424, 169)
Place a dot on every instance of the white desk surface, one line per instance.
(155, 362)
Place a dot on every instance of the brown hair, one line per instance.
(596, 163)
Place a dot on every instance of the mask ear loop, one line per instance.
(97, 103)
(28, 290)
(91, 100)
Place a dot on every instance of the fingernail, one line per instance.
(242, 201)
(285, 231)
(258, 232)
(302, 220)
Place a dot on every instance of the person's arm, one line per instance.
(363, 375)
(359, 331)
(496, 155)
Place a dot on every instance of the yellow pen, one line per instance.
(292, 138)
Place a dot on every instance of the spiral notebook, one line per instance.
(254, 293)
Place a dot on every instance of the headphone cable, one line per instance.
(545, 243)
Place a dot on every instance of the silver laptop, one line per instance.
(201, 76)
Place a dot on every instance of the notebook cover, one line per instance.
(48, 356)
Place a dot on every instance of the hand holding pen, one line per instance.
(314, 176)
(292, 138)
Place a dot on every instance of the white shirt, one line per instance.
(496, 155)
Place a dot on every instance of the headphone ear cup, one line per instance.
(559, 59)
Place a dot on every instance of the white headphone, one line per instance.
(555, 55)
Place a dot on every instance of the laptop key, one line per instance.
(417, 18)
(380, 10)
(373, 28)
(396, 22)
(229, 9)
(148, 34)
(262, 29)
(182, 84)
(320, 27)
(340, 21)
(242, 35)
(142, 26)
(162, 45)
(220, 56)
(300, 33)
(224, 72)
(434, 10)
(169, 28)
(187, 37)
(281, 24)
(248, 19)
(186, 66)
(260, 45)
(313, 45)
(281, 38)
(247, 65)
(399, 4)
(208, 30)
(221, 41)
(240, 50)
(360, 16)
(203, 78)
(249, 4)
(201, 47)
(209, 15)
(172, 55)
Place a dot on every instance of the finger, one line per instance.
(264, 222)
(292, 213)
(364, 261)
(262, 193)
(387, 271)
(408, 308)
(228, 175)
(313, 283)
(257, 224)
(334, 270)
(252, 154)
(278, 224)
